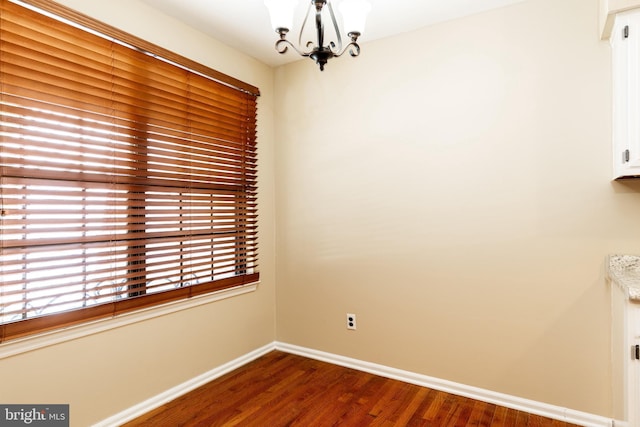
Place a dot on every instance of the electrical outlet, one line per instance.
(351, 321)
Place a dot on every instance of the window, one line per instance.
(128, 173)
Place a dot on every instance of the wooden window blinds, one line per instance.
(128, 173)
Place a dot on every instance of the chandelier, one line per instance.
(354, 13)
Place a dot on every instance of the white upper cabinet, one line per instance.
(609, 9)
(625, 42)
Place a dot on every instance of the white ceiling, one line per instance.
(245, 25)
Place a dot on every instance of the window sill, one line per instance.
(35, 342)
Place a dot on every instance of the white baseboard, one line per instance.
(177, 391)
(513, 402)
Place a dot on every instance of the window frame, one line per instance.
(35, 325)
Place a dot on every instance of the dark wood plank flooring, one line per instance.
(281, 389)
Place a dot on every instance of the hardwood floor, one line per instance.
(281, 389)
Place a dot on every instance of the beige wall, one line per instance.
(451, 187)
(103, 374)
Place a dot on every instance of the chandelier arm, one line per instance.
(304, 23)
(335, 26)
(353, 48)
(283, 45)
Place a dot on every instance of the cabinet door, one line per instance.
(625, 41)
(634, 366)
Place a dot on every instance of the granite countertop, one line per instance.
(624, 270)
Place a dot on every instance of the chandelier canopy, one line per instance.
(354, 13)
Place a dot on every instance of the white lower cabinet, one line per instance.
(623, 276)
(634, 366)
(625, 358)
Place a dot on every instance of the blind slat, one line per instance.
(121, 129)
